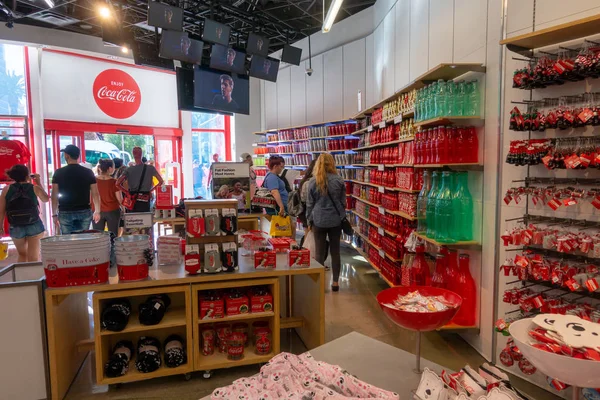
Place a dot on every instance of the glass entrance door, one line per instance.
(168, 162)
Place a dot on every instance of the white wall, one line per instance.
(402, 39)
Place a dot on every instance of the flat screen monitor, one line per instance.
(185, 91)
(264, 68)
(221, 91)
(258, 45)
(291, 55)
(228, 59)
(215, 32)
(178, 46)
(164, 16)
(147, 54)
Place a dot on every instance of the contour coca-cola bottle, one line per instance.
(467, 289)
(419, 269)
(452, 283)
(438, 277)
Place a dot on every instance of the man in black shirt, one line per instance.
(224, 101)
(71, 188)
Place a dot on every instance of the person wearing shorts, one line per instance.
(25, 236)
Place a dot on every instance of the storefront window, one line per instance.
(13, 100)
(210, 136)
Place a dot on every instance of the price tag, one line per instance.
(398, 119)
(382, 125)
(381, 231)
(370, 128)
(381, 189)
(380, 167)
(381, 210)
(381, 253)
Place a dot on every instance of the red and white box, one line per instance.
(236, 305)
(299, 258)
(261, 302)
(164, 197)
(265, 259)
(281, 245)
(212, 309)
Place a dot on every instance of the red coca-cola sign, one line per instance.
(117, 94)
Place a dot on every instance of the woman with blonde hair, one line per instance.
(325, 209)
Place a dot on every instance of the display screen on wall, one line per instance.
(221, 91)
(228, 59)
(164, 16)
(291, 55)
(257, 45)
(147, 54)
(178, 46)
(215, 32)
(264, 68)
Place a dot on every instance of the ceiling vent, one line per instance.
(51, 18)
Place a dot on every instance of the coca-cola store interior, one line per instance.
(465, 134)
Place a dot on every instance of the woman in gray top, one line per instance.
(325, 208)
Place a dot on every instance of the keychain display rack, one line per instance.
(554, 125)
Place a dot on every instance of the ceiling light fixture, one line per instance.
(104, 11)
(124, 50)
(50, 3)
(331, 14)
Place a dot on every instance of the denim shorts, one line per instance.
(24, 231)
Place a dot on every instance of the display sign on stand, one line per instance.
(139, 224)
(231, 181)
(164, 197)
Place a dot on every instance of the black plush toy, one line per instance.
(148, 354)
(175, 354)
(115, 315)
(118, 363)
(152, 311)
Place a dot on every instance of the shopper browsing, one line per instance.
(110, 198)
(19, 203)
(325, 208)
(276, 185)
(139, 182)
(71, 188)
(303, 188)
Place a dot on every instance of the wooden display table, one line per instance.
(69, 336)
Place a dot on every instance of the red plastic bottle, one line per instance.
(466, 315)
(459, 145)
(418, 145)
(451, 135)
(419, 269)
(473, 145)
(442, 146)
(438, 277)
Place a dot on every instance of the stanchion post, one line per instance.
(418, 354)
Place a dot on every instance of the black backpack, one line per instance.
(285, 181)
(21, 208)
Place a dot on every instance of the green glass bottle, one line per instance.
(430, 207)
(422, 204)
(451, 98)
(443, 210)
(462, 206)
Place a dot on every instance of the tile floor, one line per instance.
(353, 308)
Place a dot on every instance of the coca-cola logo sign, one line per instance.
(117, 94)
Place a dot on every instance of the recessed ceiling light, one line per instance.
(104, 11)
(124, 50)
(85, 26)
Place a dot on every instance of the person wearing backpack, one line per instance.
(20, 205)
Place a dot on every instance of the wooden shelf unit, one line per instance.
(461, 166)
(393, 189)
(375, 267)
(219, 360)
(274, 130)
(474, 120)
(399, 213)
(464, 244)
(218, 204)
(177, 320)
(556, 34)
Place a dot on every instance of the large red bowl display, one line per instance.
(421, 322)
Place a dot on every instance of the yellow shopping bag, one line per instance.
(281, 226)
(3, 251)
